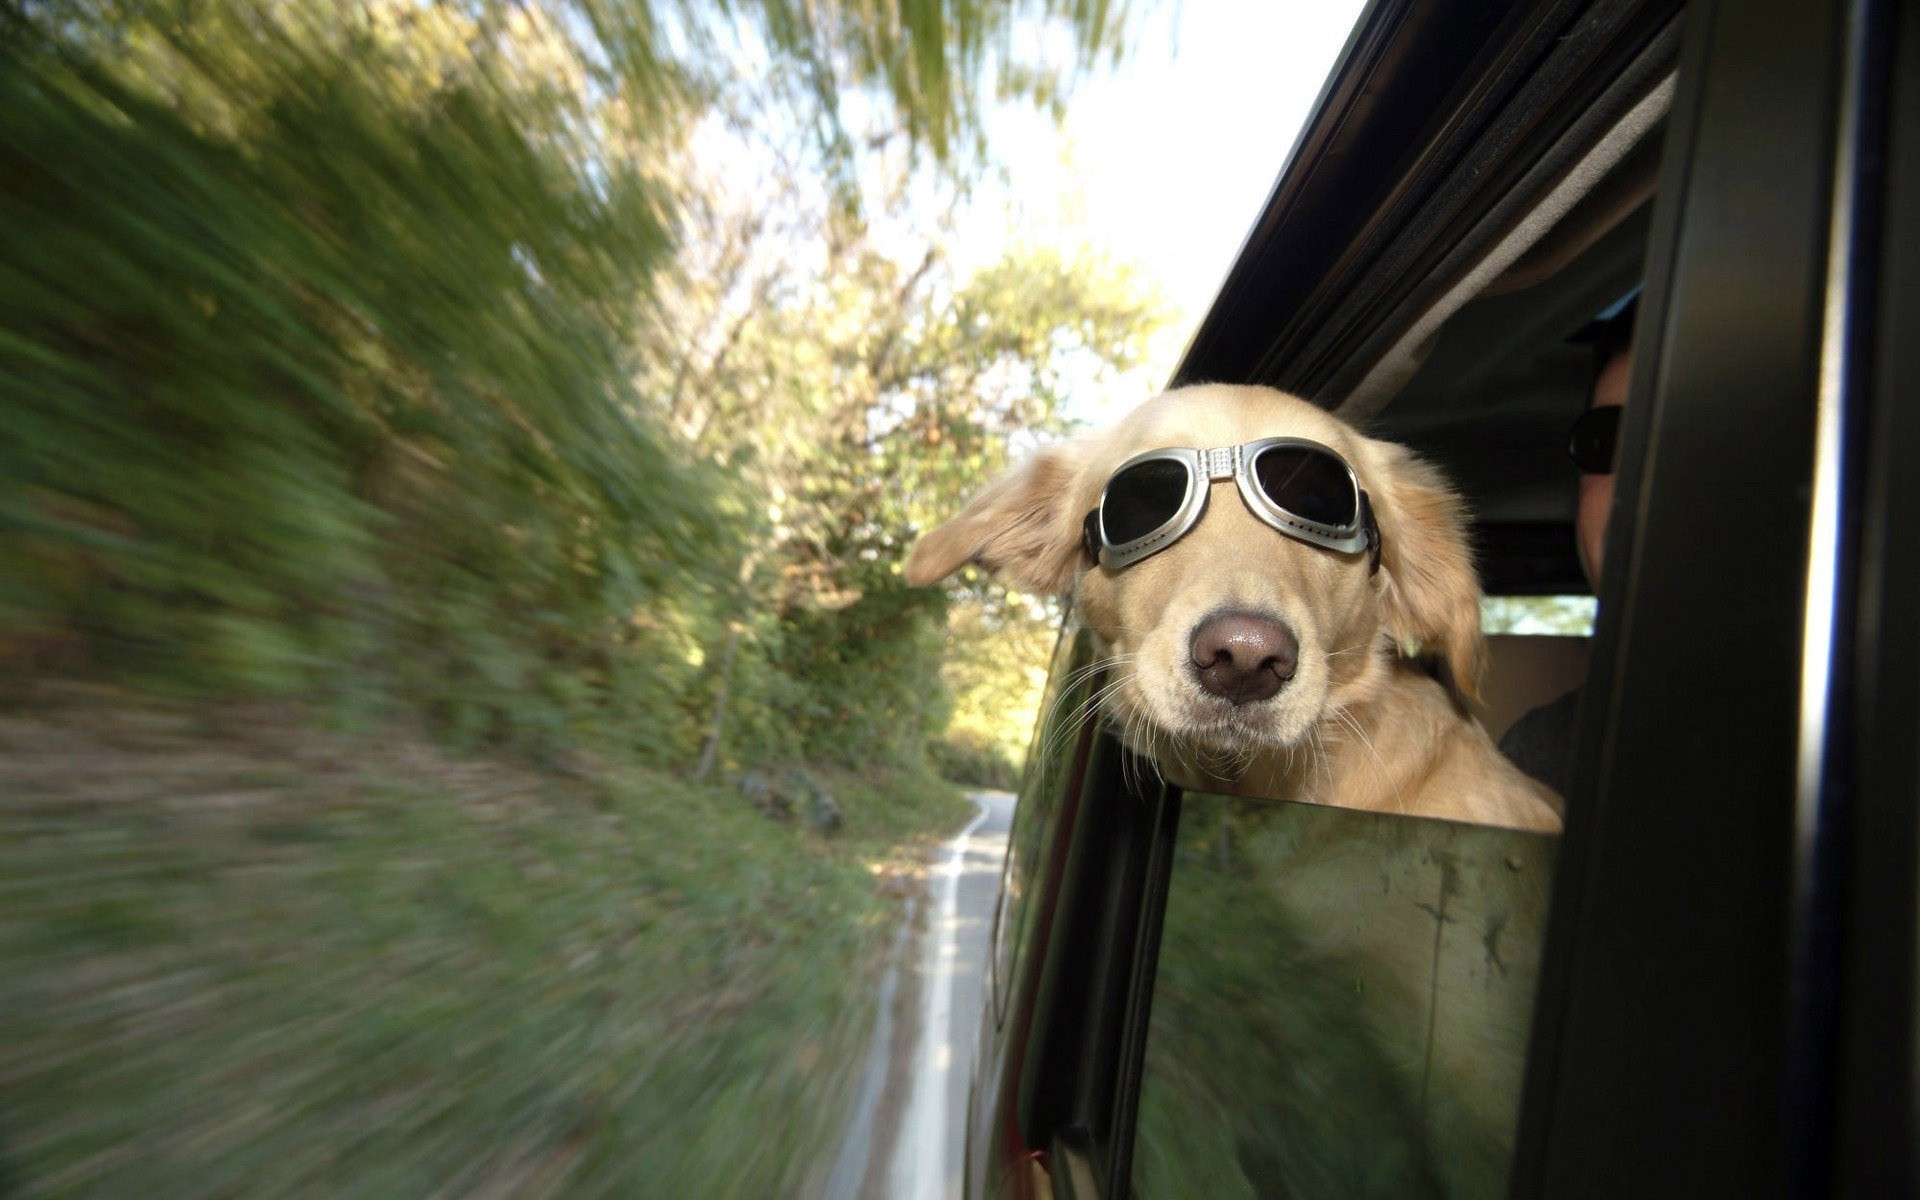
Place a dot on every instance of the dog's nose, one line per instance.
(1243, 657)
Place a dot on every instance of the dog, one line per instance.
(1314, 638)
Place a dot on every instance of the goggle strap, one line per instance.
(1373, 532)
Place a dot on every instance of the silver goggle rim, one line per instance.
(1207, 467)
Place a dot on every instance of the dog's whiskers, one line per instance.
(1058, 728)
(1062, 724)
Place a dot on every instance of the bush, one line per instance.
(973, 762)
(324, 389)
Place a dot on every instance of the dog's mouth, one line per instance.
(1231, 726)
(1200, 742)
(1187, 714)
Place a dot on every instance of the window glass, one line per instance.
(1341, 1004)
(1043, 788)
(1566, 616)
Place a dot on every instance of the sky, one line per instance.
(1166, 160)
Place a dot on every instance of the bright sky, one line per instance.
(1166, 161)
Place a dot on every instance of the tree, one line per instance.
(998, 648)
(334, 367)
(857, 387)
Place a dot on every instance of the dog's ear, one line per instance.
(1432, 594)
(1023, 526)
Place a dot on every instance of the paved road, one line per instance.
(906, 1135)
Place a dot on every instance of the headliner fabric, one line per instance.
(1399, 364)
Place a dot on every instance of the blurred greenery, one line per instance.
(402, 358)
(290, 963)
(1566, 616)
(996, 671)
(458, 391)
(289, 412)
(1341, 1004)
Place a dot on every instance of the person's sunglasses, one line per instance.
(1298, 487)
(1594, 440)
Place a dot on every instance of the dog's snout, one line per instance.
(1243, 657)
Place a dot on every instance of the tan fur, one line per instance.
(1360, 724)
(1017, 526)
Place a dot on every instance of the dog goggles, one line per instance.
(1298, 487)
(1594, 441)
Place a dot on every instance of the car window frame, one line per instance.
(1678, 1011)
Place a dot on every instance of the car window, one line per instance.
(1341, 1005)
(1538, 616)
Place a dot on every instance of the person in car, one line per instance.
(1540, 743)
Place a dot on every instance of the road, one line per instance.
(905, 1136)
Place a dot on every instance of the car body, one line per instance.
(1721, 956)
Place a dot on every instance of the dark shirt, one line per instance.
(1541, 742)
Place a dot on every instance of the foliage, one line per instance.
(416, 368)
(998, 646)
(967, 759)
(293, 404)
(1569, 616)
(334, 965)
(385, 354)
(861, 397)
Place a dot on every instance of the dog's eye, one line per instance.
(1142, 498)
(1308, 484)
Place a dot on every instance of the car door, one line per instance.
(1691, 1008)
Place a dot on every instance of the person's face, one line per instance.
(1596, 491)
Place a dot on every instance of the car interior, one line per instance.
(1497, 388)
(1491, 378)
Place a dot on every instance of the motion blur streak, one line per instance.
(462, 727)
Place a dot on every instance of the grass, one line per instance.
(268, 961)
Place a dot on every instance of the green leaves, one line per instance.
(343, 385)
(859, 398)
(388, 358)
(391, 355)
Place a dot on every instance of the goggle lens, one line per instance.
(1308, 483)
(1142, 498)
(1595, 439)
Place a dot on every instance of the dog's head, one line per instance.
(1235, 637)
